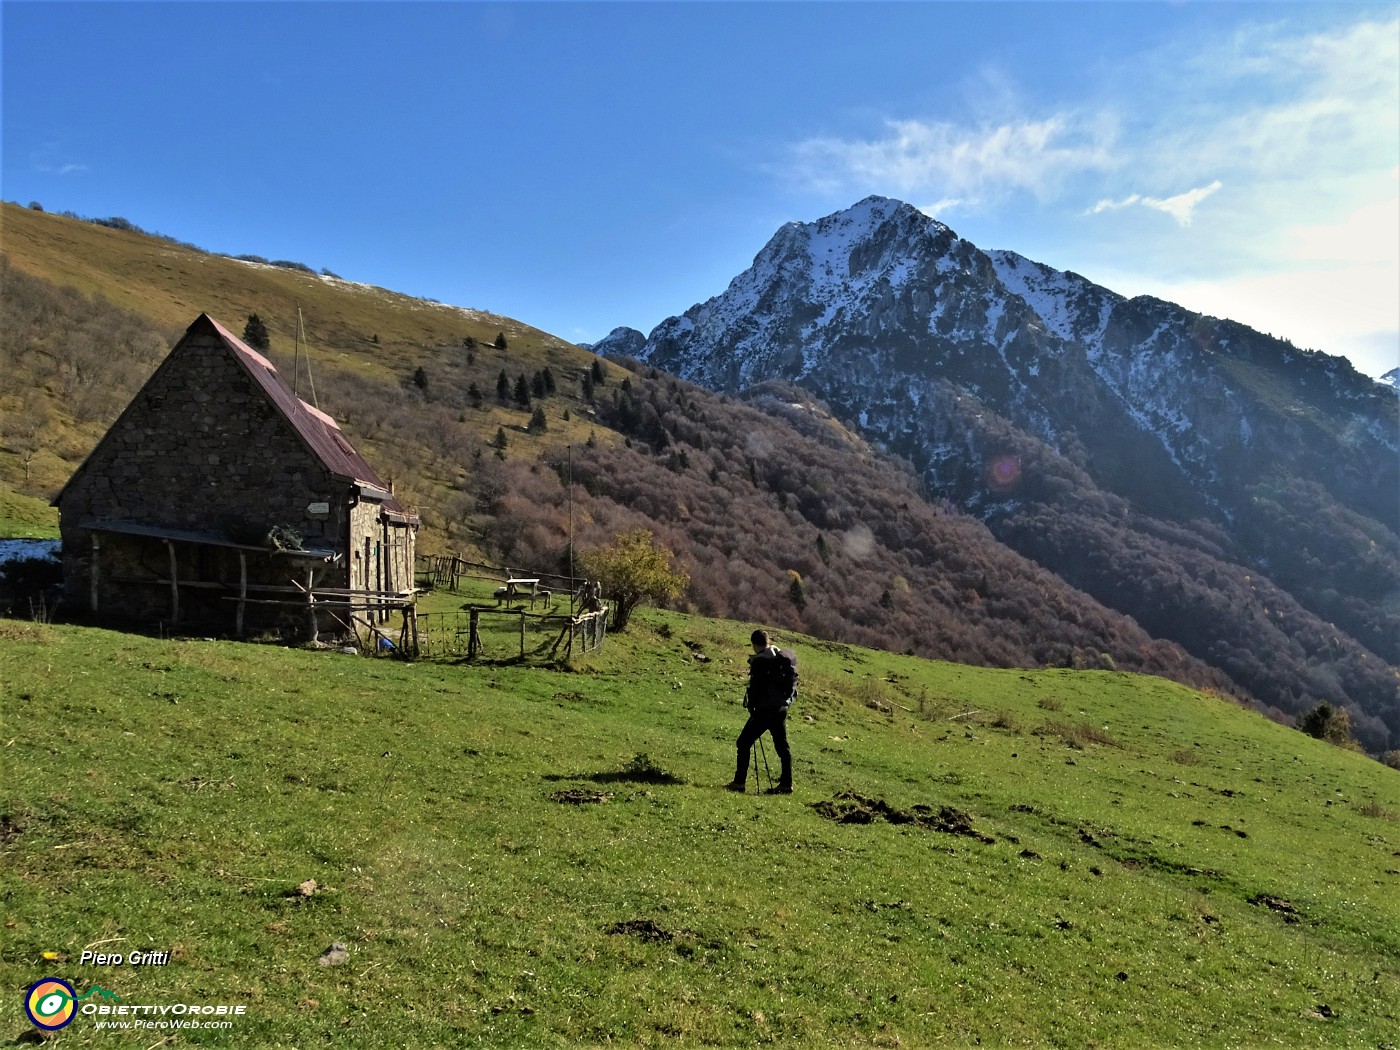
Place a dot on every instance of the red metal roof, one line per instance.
(317, 430)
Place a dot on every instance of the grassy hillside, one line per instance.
(364, 343)
(521, 857)
(25, 516)
(776, 511)
(170, 285)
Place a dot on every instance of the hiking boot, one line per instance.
(781, 789)
(735, 785)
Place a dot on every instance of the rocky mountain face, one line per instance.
(1230, 491)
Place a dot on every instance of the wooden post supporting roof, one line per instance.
(92, 573)
(174, 585)
(242, 591)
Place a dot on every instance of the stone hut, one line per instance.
(219, 493)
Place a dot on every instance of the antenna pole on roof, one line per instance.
(296, 356)
(573, 583)
(301, 336)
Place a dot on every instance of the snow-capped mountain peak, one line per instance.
(889, 315)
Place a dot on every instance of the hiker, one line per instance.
(772, 688)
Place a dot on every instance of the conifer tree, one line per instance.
(796, 593)
(255, 333)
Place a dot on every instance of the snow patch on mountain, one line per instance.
(620, 342)
(883, 311)
(1057, 298)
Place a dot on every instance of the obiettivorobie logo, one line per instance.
(51, 1002)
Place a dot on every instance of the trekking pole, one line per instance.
(766, 771)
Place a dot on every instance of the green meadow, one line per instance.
(25, 517)
(520, 856)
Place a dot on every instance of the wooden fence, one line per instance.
(484, 633)
(449, 572)
(507, 630)
(361, 614)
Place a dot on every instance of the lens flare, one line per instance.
(1004, 474)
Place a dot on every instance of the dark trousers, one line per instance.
(774, 723)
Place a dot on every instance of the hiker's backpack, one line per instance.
(772, 679)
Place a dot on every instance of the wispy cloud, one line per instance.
(45, 167)
(49, 159)
(960, 164)
(1300, 125)
(1182, 207)
(946, 206)
(1272, 113)
(1278, 108)
(1303, 129)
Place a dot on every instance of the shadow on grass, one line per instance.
(641, 770)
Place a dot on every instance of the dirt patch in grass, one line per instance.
(1078, 734)
(1278, 904)
(851, 808)
(24, 631)
(642, 929)
(580, 796)
(1375, 809)
(10, 828)
(1223, 827)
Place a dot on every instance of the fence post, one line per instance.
(522, 634)
(312, 629)
(473, 638)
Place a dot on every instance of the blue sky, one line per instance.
(584, 165)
